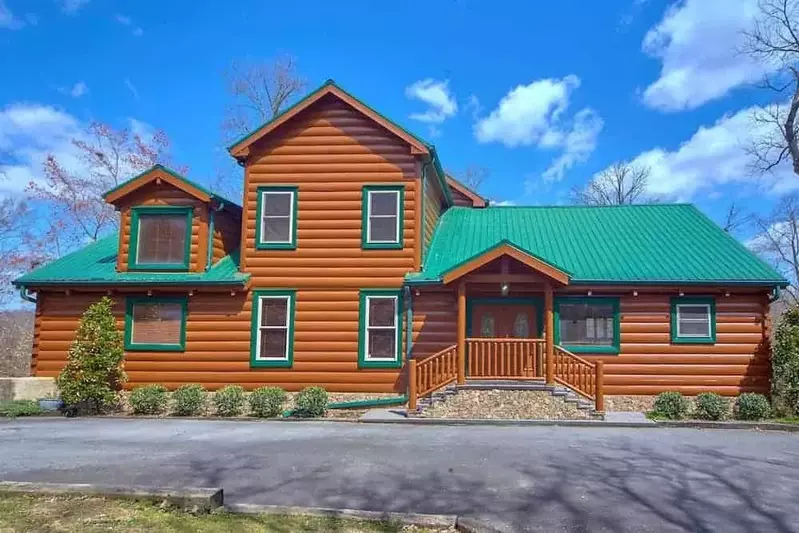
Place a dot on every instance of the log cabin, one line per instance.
(353, 262)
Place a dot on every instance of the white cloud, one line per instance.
(77, 90)
(28, 132)
(8, 20)
(72, 6)
(436, 94)
(137, 32)
(527, 113)
(714, 156)
(536, 115)
(698, 43)
(503, 203)
(473, 105)
(578, 144)
(132, 88)
(122, 19)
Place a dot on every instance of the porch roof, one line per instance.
(641, 244)
(509, 249)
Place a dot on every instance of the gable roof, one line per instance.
(642, 244)
(240, 148)
(160, 172)
(96, 263)
(477, 200)
(505, 248)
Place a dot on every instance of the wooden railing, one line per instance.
(431, 373)
(505, 358)
(580, 375)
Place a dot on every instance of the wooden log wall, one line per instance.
(227, 235)
(165, 194)
(433, 200)
(648, 363)
(459, 199)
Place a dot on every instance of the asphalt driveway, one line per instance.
(521, 479)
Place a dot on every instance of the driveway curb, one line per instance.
(411, 519)
(707, 424)
(508, 422)
(191, 499)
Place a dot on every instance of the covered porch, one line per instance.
(505, 329)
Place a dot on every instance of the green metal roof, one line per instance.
(433, 153)
(184, 179)
(660, 243)
(96, 263)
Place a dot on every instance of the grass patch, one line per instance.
(787, 420)
(651, 415)
(14, 408)
(92, 515)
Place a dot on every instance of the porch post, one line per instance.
(549, 333)
(461, 333)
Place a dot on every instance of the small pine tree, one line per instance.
(93, 374)
(785, 364)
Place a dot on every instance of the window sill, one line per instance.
(155, 348)
(267, 363)
(604, 350)
(380, 364)
(689, 340)
(381, 246)
(276, 246)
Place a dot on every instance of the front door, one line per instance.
(504, 321)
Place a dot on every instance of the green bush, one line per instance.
(672, 405)
(267, 402)
(189, 400)
(785, 364)
(14, 408)
(711, 406)
(229, 401)
(93, 374)
(752, 406)
(148, 400)
(311, 402)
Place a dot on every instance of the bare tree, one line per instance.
(73, 190)
(777, 241)
(619, 184)
(774, 41)
(258, 92)
(735, 218)
(473, 176)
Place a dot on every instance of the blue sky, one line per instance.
(544, 95)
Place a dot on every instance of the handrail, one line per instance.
(431, 373)
(581, 375)
(505, 358)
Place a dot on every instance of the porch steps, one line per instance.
(556, 391)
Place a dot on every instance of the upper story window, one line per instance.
(693, 320)
(160, 238)
(382, 216)
(589, 325)
(276, 225)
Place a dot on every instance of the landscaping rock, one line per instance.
(516, 405)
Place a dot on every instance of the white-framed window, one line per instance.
(693, 320)
(382, 217)
(277, 217)
(380, 328)
(273, 328)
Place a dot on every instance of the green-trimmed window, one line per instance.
(382, 216)
(160, 238)
(693, 320)
(156, 324)
(380, 329)
(587, 325)
(276, 217)
(272, 337)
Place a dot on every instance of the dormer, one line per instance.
(171, 224)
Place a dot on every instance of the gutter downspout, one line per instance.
(23, 293)
(424, 186)
(211, 218)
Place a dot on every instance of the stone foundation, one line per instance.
(26, 388)
(508, 404)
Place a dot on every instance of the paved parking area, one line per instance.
(518, 478)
